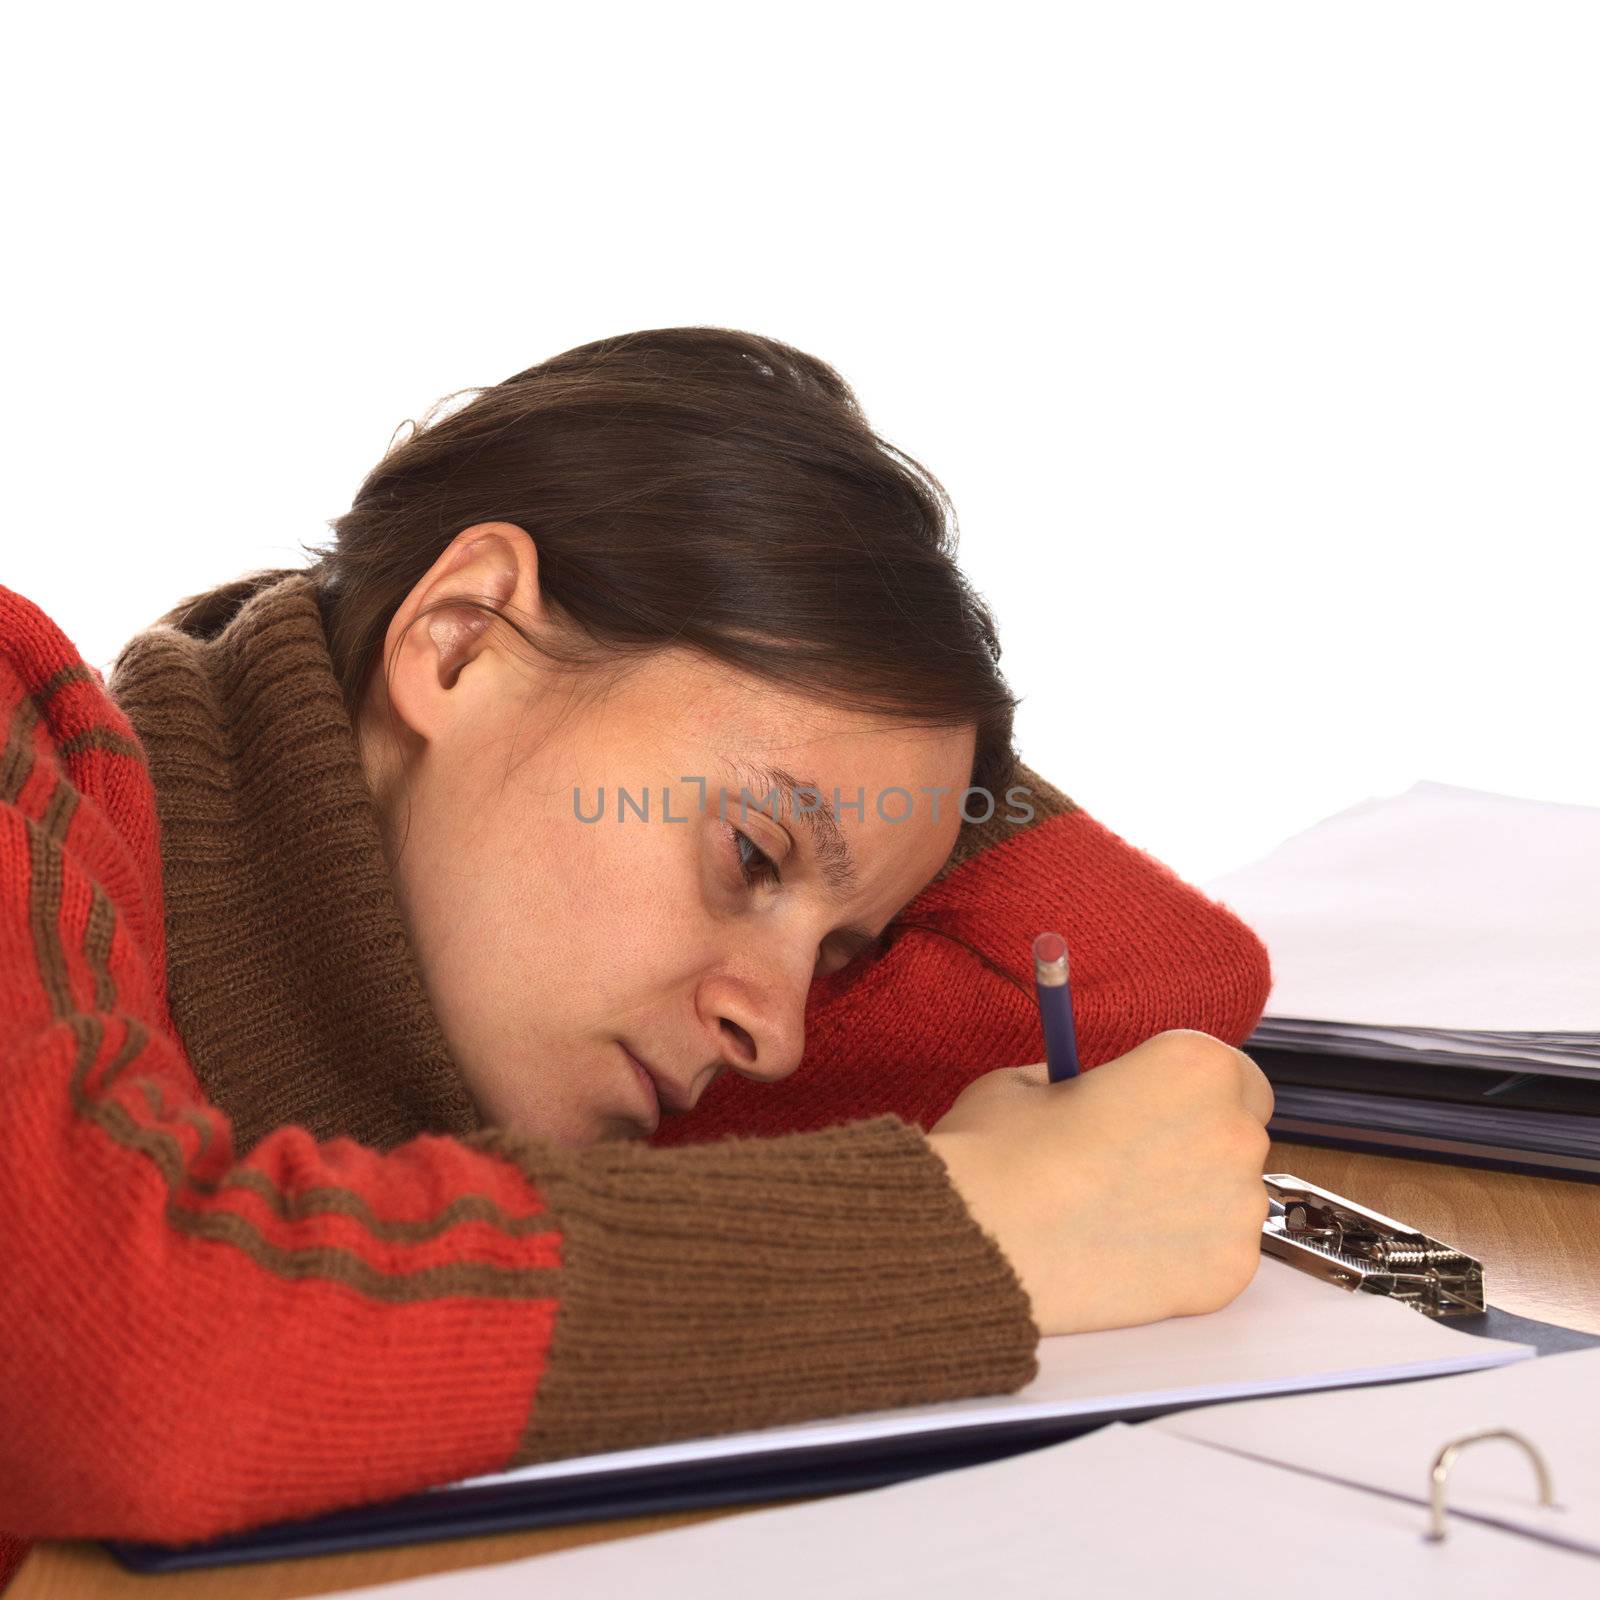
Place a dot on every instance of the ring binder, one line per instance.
(1354, 1247)
(1446, 1459)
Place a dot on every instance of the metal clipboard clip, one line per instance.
(1355, 1248)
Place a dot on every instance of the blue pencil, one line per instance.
(1055, 1005)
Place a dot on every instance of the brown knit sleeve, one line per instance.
(747, 1282)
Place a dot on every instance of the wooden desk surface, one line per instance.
(1538, 1238)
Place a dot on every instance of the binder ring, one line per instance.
(1446, 1459)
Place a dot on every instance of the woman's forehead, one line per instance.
(681, 707)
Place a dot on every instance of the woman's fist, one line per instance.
(1129, 1193)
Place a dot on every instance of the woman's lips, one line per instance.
(649, 1099)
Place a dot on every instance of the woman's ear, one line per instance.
(430, 641)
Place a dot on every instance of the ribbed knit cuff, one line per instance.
(743, 1283)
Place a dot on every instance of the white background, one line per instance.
(1257, 344)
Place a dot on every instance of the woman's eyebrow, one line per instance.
(758, 783)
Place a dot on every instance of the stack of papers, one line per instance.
(1288, 1331)
(1443, 925)
(1387, 1438)
(1435, 978)
(1307, 1496)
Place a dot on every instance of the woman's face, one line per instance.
(554, 939)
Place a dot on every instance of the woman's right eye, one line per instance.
(758, 867)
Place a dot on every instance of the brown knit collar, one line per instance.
(291, 977)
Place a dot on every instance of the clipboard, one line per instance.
(1347, 1246)
(1354, 1247)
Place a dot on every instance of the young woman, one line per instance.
(480, 997)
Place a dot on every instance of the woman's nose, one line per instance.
(762, 1026)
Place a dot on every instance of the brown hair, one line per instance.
(699, 487)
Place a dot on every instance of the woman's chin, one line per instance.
(598, 1128)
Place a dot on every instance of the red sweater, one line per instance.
(198, 1342)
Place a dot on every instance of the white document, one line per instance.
(1452, 924)
(1122, 1511)
(1286, 1332)
(1387, 1438)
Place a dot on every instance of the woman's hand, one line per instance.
(1127, 1194)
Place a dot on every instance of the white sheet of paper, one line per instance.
(1287, 1331)
(1439, 908)
(1121, 1511)
(1387, 1439)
